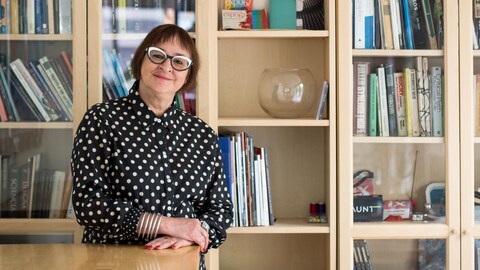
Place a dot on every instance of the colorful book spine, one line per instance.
(414, 103)
(392, 114)
(400, 89)
(372, 105)
(407, 25)
(362, 69)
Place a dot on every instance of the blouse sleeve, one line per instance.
(219, 206)
(93, 203)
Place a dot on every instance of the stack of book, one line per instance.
(398, 24)
(37, 90)
(398, 103)
(248, 180)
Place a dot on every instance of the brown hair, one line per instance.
(167, 33)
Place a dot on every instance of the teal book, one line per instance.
(372, 105)
(283, 14)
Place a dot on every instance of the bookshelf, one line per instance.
(52, 139)
(392, 158)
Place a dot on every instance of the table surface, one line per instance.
(96, 256)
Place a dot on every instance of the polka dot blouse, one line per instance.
(126, 160)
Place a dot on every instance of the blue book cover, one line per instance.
(369, 32)
(407, 24)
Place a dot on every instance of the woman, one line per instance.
(145, 171)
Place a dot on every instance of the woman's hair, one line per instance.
(168, 33)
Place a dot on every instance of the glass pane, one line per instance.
(130, 21)
(422, 254)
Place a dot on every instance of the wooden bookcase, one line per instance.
(302, 151)
(392, 158)
(54, 138)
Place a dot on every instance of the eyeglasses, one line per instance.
(158, 56)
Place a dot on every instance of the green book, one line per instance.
(283, 14)
(372, 105)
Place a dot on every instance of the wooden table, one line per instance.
(96, 256)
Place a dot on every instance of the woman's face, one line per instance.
(162, 79)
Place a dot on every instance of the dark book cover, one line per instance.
(419, 25)
(27, 111)
(391, 103)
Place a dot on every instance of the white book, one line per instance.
(265, 215)
(30, 16)
(414, 103)
(55, 80)
(15, 66)
(58, 183)
(323, 101)
(382, 103)
(437, 101)
(65, 16)
(395, 26)
(364, 24)
(424, 111)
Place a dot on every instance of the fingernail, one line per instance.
(148, 246)
(173, 246)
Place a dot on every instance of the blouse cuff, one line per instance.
(130, 223)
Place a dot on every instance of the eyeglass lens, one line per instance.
(178, 62)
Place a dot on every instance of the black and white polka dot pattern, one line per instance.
(126, 160)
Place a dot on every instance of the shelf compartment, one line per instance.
(271, 33)
(399, 230)
(284, 226)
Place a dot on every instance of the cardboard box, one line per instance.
(236, 19)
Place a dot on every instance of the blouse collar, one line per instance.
(146, 116)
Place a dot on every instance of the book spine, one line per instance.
(379, 34)
(8, 93)
(51, 17)
(400, 90)
(65, 16)
(3, 17)
(427, 13)
(419, 26)
(360, 93)
(382, 103)
(323, 100)
(407, 25)
(477, 105)
(387, 24)
(408, 100)
(414, 103)
(30, 17)
(47, 67)
(392, 114)
(424, 102)
(437, 101)
(372, 105)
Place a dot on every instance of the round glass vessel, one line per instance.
(287, 93)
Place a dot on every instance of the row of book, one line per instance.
(398, 24)
(38, 90)
(140, 16)
(118, 79)
(27, 191)
(248, 180)
(404, 103)
(35, 16)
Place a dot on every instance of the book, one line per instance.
(400, 81)
(58, 184)
(378, 31)
(4, 106)
(391, 102)
(309, 14)
(407, 25)
(424, 110)
(396, 26)
(382, 103)
(64, 15)
(387, 24)
(437, 101)
(427, 13)
(323, 100)
(57, 86)
(360, 98)
(477, 105)
(364, 21)
(67, 191)
(437, 15)
(418, 24)
(411, 102)
(372, 105)
(282, 14)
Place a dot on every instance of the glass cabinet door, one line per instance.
(399, 146)
(114, 36)
(42, 96)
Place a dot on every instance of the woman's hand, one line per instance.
(189, 229)
(168, 242)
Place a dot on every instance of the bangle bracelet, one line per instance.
(146, 225)
(159, 216)
(140, 225)
(152, 228)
